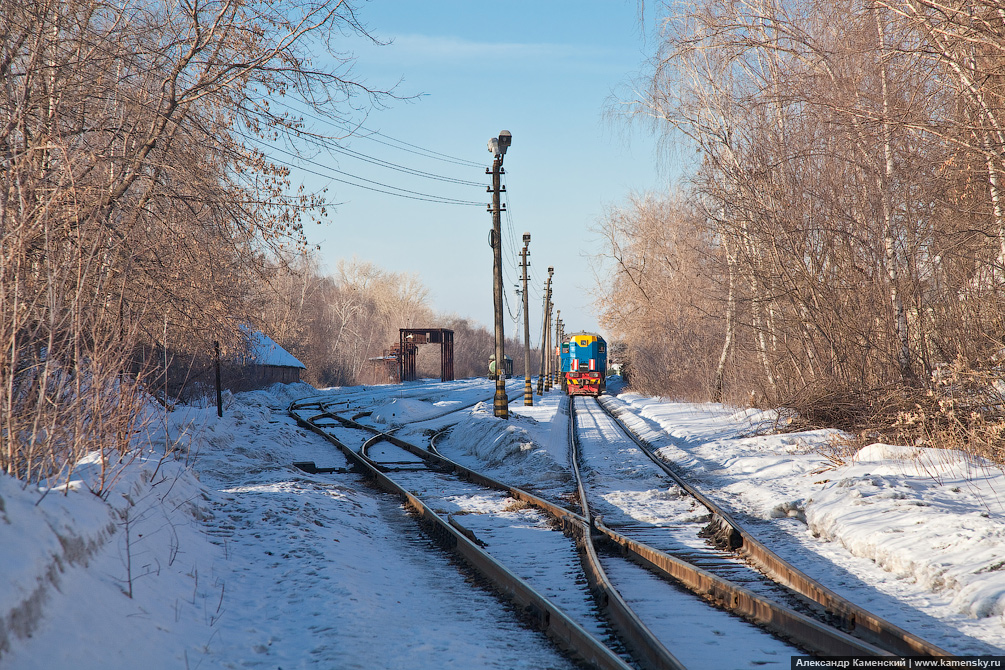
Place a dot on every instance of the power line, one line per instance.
(396, 190)
(332, 145)
(511, 235)
(401, 145)
(399, 168)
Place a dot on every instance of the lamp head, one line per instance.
(505, 139)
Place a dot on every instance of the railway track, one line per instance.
(444, 497)
(768, 591)
(603, 585)
(792, 585)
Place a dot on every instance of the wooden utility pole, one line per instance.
(498, 146)
(528, 392)
(544, 330)
(555, 367)
(547, 332)
(548, 349)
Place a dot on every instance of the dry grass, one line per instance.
(963, 410)
(838, 451)
(514, 505)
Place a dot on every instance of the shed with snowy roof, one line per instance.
(267, 362)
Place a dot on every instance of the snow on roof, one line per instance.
(263, 350)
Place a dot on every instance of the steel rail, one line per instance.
(552, 620)
(630, 627)
(858, 621)
(808, 633)
(815, 637)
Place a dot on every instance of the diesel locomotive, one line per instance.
(583, 360)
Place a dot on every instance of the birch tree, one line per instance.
(801, 160)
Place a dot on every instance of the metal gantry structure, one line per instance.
(409, 340)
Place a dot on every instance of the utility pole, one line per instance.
(561, 340)
(550, 357)
(544, 330)
(528, 392)
(498, 146)
(562, 337)
(558, 344)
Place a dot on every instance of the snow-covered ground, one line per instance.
(223, 555)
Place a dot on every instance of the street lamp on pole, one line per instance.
(498, 146)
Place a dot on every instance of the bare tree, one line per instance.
(335, 324)
(657, 293)
(814, 175)
(138, 209)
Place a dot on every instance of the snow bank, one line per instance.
(402, 410)
(931, 516)
(138, 555)
(70, 555)
(920, 513)
(516, 451)
(52, 534)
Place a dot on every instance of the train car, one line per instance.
(587, 360)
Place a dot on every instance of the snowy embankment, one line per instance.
(929, 518)
(223, 555)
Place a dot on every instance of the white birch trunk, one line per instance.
(720, 369)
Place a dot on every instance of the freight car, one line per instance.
(584, 364)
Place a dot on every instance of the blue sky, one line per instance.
(545, 71)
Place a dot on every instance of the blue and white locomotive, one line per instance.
(584, 364)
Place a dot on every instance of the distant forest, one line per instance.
(335, 323)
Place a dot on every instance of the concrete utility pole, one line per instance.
(562, 337)
(544, 330)
(528, 392)
(498, 146)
